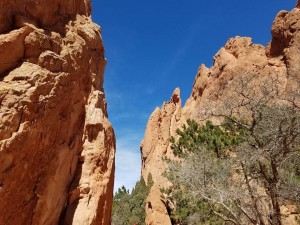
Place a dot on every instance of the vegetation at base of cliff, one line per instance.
(129, 208)
(237, 172)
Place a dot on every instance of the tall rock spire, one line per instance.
(56, 144)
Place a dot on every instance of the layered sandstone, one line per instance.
(56, 143)
(240, 67)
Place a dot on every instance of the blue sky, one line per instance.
(154, 46)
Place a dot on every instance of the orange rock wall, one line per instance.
(56, 144)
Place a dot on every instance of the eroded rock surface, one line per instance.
(239, 67)
(56, 143)
(161, 126)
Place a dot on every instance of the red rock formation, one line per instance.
(56, 143)
(240, 66)
(53, 17)
(161, 126)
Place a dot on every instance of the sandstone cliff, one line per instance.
(240, 67)
(56, 143)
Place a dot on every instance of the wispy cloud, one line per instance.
(181, 50)
(150, 90)
(128, 119)
(116, 99)
(128, 159)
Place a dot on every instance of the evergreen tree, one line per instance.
(129, 208)
(213, 137)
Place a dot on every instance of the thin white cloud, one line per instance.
(115, 100)
(150, 90)
(181, 50)
(128, 160)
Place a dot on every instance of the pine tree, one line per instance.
(129, 208)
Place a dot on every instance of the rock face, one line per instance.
(56, 144)
(162, 124)
(239, 67)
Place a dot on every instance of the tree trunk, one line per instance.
(276, 215)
